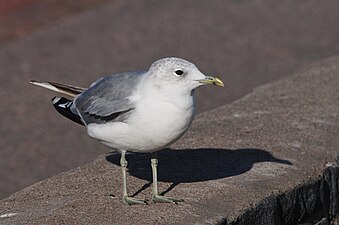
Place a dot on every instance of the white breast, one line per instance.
(155, 123)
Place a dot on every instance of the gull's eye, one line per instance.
(179, 72)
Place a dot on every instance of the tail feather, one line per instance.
(66, 89)
(64, 107)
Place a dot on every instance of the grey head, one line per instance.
(178, 72)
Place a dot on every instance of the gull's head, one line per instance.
(181, 73)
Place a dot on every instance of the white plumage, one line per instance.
(137, 111)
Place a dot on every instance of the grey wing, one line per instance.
(108, 98)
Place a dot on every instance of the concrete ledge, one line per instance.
(316, 200)
(269, 158)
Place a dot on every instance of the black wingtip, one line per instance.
(63, 105)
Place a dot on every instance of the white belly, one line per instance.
(149, 128)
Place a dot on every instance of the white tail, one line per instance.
(66, 89)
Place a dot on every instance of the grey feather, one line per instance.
(108, 98)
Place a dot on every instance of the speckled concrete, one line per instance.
(246, 43)
(273, 140)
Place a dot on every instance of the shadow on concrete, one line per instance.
(194, 165)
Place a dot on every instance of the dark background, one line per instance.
(246, 43)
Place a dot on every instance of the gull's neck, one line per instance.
(177, 95)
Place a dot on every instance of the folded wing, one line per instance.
(108, 99)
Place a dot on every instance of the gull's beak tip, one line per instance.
(218, 82)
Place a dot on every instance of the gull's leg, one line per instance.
(128, 200)
(155, 196)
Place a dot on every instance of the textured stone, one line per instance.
(246, 43)
(310, 202)
(269, 158)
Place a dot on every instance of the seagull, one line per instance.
(136, 111)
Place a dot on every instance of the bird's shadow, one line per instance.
(194, 165)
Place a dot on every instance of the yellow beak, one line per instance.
(212, 80)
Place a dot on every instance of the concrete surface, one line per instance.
(246, 43)
(263, 158)
(18, 18)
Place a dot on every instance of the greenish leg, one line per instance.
(127, 200)
(155, 196)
